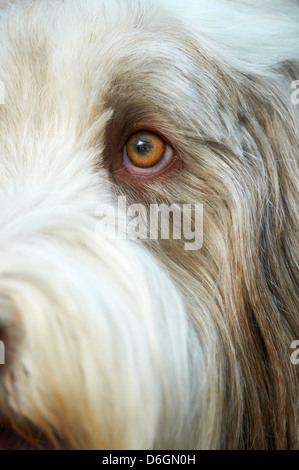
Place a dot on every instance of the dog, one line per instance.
(116, 342)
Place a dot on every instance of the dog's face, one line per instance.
(118, 343)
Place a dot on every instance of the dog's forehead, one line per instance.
(91, 45)
(65, 60)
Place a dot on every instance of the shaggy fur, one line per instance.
(119, 344)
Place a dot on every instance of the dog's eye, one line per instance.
(146, 153)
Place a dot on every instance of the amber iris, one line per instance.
(145, 149)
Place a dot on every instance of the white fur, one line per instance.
(104, 332)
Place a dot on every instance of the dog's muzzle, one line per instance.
(95, 332)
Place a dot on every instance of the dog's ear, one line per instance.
(250, 36)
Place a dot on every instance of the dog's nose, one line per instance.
(9, 332)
